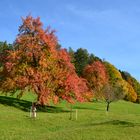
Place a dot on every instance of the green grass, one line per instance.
(52, 123)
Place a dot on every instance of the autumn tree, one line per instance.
(131, 94)
(116, 88)
(132, 82)
(96, 76)
(36, 64)
(115, 77)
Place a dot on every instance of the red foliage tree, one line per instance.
(96, 76)
(36, 64)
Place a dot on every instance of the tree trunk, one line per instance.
(107, 108)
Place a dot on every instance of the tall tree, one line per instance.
(38, 65)
(81, 60)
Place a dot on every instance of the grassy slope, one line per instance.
(121, 123)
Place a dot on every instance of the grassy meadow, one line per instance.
(53, 123)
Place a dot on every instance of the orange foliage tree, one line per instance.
(36, 64)
(96, 76)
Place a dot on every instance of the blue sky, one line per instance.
(108, 28)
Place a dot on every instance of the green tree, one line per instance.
(93, 58)
(4, 47)
(71, 53)
(81, 57)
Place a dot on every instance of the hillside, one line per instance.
(52, 123)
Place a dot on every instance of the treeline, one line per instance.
(83, 61)
(36, 62)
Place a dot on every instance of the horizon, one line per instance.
(109, 30)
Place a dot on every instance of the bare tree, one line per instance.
(112, 93)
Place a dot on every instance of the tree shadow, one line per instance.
(26, 105)
(117, 122)
(88, 108)
(51, 109)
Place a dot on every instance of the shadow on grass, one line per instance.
(26, 105)
(88, 108)
(51, 109)
(117, 122)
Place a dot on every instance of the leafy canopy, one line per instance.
(36, 64)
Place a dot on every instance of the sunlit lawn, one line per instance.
(52, 123)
